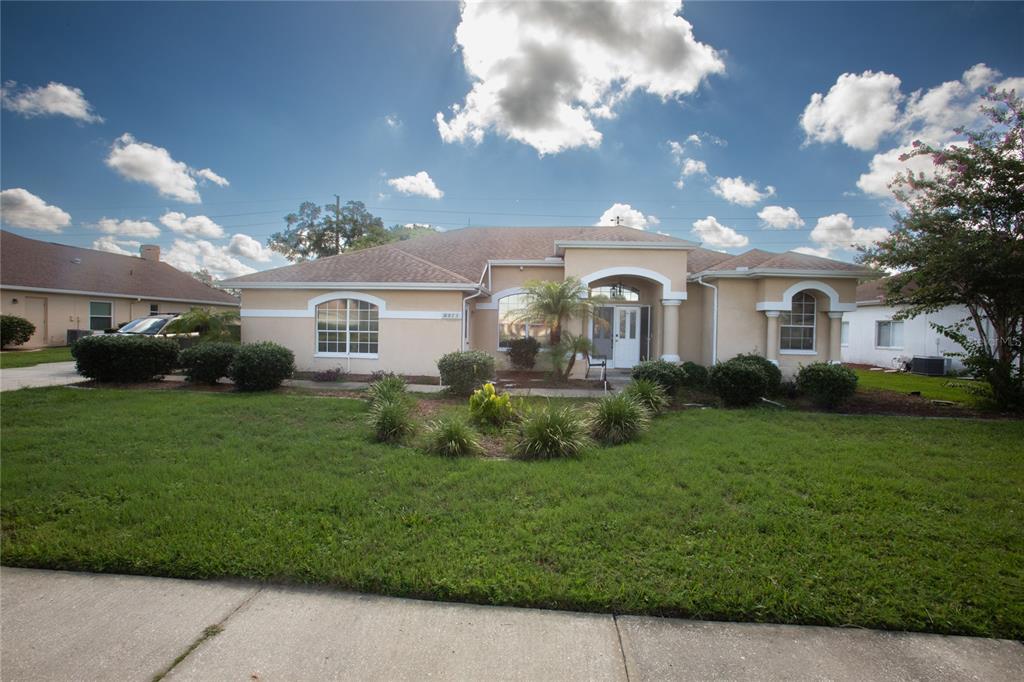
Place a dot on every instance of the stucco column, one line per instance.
(771, 346)
(670, 330)
(835, 337)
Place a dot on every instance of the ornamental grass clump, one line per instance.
(391, 421)
(451, 437)
(550, 433)
(387, 389)
(618, 419)
(648, 393)
(487, 406)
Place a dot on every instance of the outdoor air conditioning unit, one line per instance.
(75, 334)
(930, 365)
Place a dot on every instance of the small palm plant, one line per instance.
(553, 302)
(391, 421)
(387, 389)
(648, 393)
(550, 432)
(211, 326)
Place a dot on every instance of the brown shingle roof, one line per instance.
(45, 265)
(873, 292)
(456, 256)
(759, 260)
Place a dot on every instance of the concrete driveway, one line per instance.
(47, 374)
(78, 626)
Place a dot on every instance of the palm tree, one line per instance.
(210, 325)
(553, 302)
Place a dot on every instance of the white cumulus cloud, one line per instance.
(21, 208)
(420, 184)
(128, 228)
(544, 72)
(247, 247)
(627, 216)
(779, 218)
(147, 163)
(112, 245)
(190, 256)
(716, 234)
(194, 226)
(739, 191)
(393, 121)
(837, 231)
(52, 99)
(858, 109)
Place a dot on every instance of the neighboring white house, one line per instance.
(870, 335)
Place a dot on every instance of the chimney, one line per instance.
(150, 252)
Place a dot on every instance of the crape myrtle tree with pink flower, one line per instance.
(959, 240)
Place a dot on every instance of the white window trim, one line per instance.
(814, 330)
(90, 315)
(326, 298)
(880, 322)
(496, 300)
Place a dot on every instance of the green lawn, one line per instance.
(935, 388)
(738, 515)
(9, 359)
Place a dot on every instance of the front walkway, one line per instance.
(61, 626)
(63, 374)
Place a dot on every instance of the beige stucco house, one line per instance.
(401, 306)
(59, 288)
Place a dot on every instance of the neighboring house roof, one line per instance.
(37, 265)
(873, 292)
(456, 257)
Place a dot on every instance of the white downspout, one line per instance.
(714, 321)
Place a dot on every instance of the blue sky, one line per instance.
(291, 102)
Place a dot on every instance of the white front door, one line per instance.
(626, 336)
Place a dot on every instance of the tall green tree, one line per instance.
(317, 231)
(395, 233)
(960, 241)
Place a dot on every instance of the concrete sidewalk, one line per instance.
(46, 374)
(64, 626)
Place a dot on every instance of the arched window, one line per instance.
(510, 323)
(615, 293)
(796, 325)
(347, 326)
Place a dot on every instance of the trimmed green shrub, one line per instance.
(618, 419)
(120, 357)
(696, 375)
(487, 406)
(15, 330)
(771, 371)
(452, 437)
(205, 363)
(668, 374)
(261, 366)
(738, 383)
(391, 421)
(827, 386)
(649, 394)
(522, 353)
(549, 433)
(463, 371)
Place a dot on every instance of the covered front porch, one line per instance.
(631, 321)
